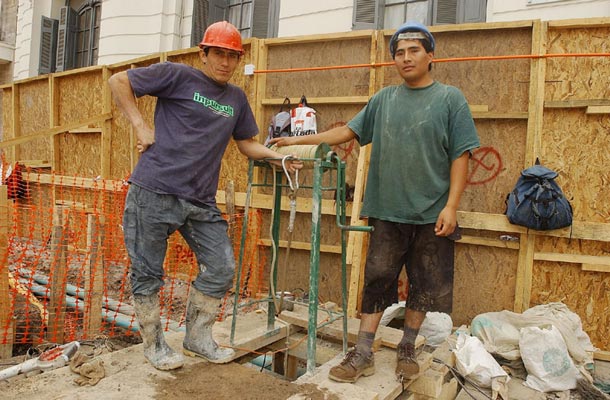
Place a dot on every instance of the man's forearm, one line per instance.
(458, 179)
(122, 94)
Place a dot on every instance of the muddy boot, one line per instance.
(406, 362)
(200, 317)
(156, 350)
(354, 365)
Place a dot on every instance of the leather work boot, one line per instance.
(354, 365)
(156, 350)
(406, 362)
(200, 317)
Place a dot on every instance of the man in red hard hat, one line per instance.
(421, 133)
(173, 186)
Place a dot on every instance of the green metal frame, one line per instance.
(325, 160)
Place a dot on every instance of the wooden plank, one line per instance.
(602, 355)
(481, 241)
(94, 278)
(430, 383)
(71, 181)
(598, 110)
(299, 317)
(381, 385)
(251, 333)
(53, 131)
(319, 100)
(58, 276)
(580, 23)
(390, 337)
(577, 103)
(324, 248)
(499, 115)
(573, 258)
(6, 317)
(525, 266)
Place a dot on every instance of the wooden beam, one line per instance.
(598, 110)
(53, 131)
(577, 103)
(500, 115)
(94, 278)
(106, 129)
(6, 316)
(324, 248)
(490, 242)
(320, 100)
(59, 276)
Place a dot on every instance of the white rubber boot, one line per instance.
(201, 314)
(156, 350)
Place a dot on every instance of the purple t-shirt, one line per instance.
(195, 118)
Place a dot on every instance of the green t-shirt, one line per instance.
(415, 135)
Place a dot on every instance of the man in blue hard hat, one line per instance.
(422, 133)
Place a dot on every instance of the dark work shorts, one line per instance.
(429, 264)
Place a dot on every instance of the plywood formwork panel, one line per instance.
(7, 114)
(484, 281)
(34, 116)
(80, 96)
(578, 78)
(575, 145)
(587, 293)
(80, 154)
(327, 83)
(495, 166)
(502, 85)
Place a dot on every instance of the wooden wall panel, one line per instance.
(34, 116)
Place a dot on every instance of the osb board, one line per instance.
(80, 96)
(80, 154)
(484, 281)
(578, 78)
(330, 234)
(329, 283)
(33, 117)
(576, 146)
(234, 166)
(508, 91)
(328, 83)
(585, 293)
(7, 114)
(495, 166)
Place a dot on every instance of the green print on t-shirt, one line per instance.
(213, 105)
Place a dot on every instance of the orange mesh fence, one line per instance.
(68, 270)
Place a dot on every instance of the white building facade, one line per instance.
(57, 35)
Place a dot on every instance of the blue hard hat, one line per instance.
(410, 26)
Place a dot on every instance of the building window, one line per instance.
(390, 14)
(72, 41)
(88, 33)
(240, 15)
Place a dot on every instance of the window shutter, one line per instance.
(444, 12)
(472, 11)
(366, 14)
(48, 46)
(200, 21)
(260, 19)
(65, 39)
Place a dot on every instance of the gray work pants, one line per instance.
(150, 218)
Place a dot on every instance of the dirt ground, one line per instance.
(129, 376)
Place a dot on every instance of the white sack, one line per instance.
(545, 356)
(476, 364)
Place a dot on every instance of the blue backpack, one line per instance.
(537, 202)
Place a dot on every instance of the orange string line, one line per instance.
(438, 60)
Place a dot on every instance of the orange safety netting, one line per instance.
(65, 252)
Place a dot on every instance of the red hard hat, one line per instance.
(222, 34)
